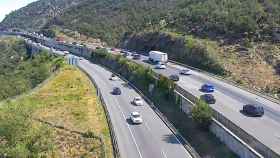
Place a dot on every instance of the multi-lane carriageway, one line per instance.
(230, 100)
(152, 138)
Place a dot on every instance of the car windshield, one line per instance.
(135, 115)
(137, 99)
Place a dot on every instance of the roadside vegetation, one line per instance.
(184, 49)
(237, 39)
(21, 71)
(202, 114)
(206, 144)
(64, 118)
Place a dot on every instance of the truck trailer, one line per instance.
(158, 57)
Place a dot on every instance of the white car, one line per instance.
(136, 118)
(113, 77)
(138, 101)
(160, 66)
(185, 72)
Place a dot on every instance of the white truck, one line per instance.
(157, 56)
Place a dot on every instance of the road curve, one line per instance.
(152, 139)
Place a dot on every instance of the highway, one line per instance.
(230, 101)
(152, 139)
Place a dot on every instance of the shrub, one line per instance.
(202, 114)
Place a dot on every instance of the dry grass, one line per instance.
(251, 68)
(69, 100)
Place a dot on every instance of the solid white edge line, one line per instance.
(163, 153)
(134, 140)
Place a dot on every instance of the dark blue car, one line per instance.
(208, 88)
(208, 98)
(253, 110)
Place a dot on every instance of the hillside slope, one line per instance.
(37, 14)
(61, 119)
(20, 72)
(243, 35)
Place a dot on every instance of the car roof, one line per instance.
(209, 95)
(208, 84)
(254, 105)
(135, 113)
(137, 98)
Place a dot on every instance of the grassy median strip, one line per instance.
(63, 119)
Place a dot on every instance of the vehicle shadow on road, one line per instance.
(129, 121)
(149, 62)
(170, 138)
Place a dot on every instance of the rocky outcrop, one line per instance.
(184, 49)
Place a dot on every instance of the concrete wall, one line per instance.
(238, 146)
(232, 141)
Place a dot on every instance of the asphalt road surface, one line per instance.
(230, 101)
(152, 139)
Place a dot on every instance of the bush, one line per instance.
(202, 114)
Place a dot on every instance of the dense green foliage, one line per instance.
(202, 114)
(36, 15)
(111, 19)
(236, 18)
(20, 72)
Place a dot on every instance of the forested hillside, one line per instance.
(110, 19)
(35, 16)
(240, 38)
(20, 72)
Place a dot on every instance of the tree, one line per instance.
(48, 33)
(202, 114)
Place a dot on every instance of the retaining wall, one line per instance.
(240, 142)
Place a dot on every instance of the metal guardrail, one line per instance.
(239, 132)
(177, 134)
(256, 92)
(116, 151)
(192, 99)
